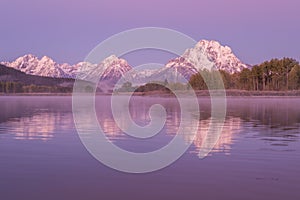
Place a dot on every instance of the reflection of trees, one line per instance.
(273, 113)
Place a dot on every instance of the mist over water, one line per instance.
(256, 156)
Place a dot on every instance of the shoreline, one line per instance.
(229, 93)
(199, 93)
(34, 94)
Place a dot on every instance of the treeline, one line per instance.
(163, 86)
(154, 86)
(274, 75)
(17, 87)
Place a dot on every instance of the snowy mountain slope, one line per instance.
(110, 69)
(45, 66)
(208, 55)
(205, 55)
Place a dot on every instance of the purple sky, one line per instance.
(67, 30)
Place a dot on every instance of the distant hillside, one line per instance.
(15, 81)
(8, 74)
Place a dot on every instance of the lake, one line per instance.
(257, 155)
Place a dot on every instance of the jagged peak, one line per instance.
(27, 57)
(46, 58)
(210, 54)
(110, 59)
(212, 43)
(205, 43)
(113, 60)
(205, 54)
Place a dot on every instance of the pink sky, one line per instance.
(67, 30)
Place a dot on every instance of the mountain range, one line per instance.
(8, 74)
(205, 55)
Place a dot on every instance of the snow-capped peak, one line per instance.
(114, 61)
(110, 59)
(113, 68)
(222, 56)
(46, 59)
(31, 64)
(205, 55)
(208, 55)
(28, 57)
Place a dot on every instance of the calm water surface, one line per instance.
(256, 157)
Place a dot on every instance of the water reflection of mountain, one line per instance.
(40, 126)
(276, 119)
(35, 118)
(38, 117)
(139, 110)
(231, 126)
